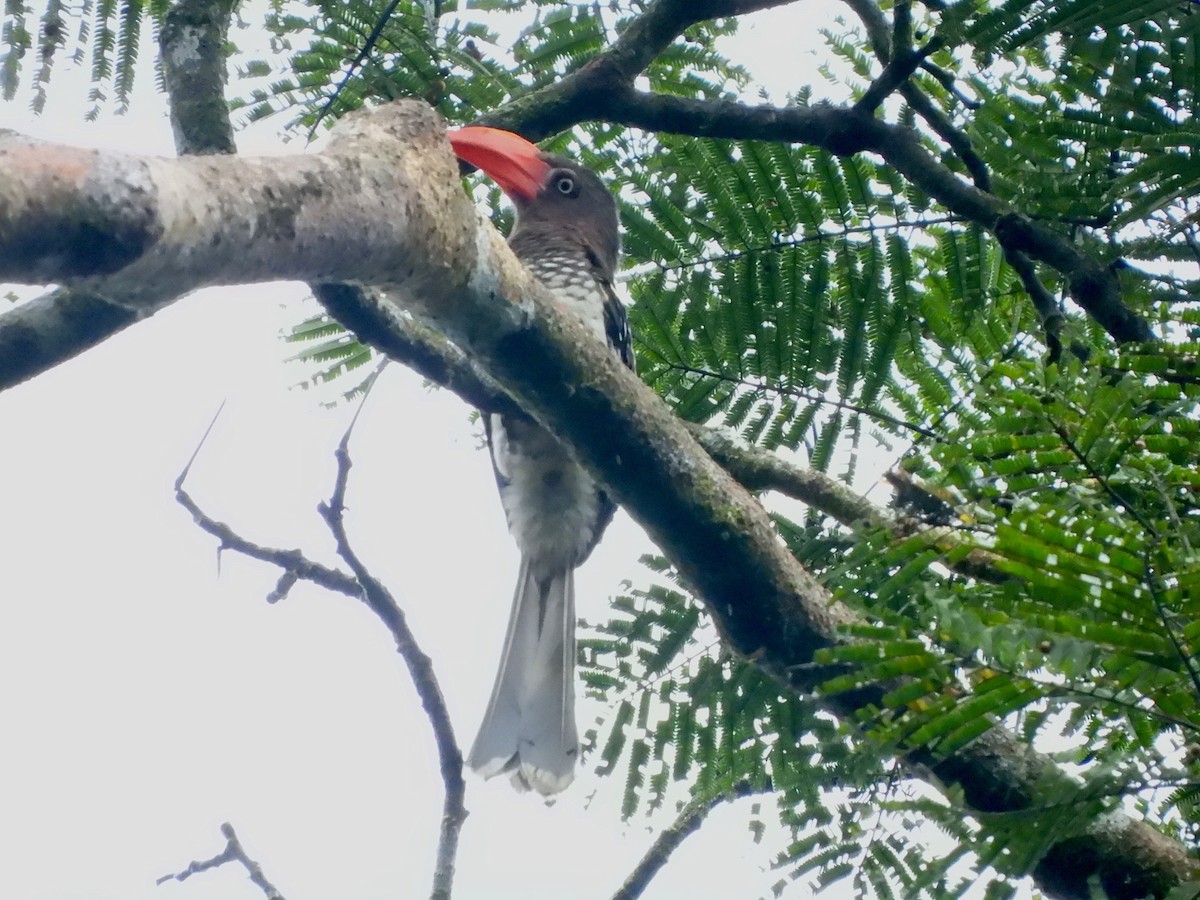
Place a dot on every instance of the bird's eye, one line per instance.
(565, 184)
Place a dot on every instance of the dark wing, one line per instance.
(616, 326)
(620, 339)
(502, 481)
(616, 320)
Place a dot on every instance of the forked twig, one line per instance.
(362, 585)
(233, 852)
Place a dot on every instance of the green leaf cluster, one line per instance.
(103, 34)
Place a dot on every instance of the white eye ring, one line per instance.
(565, 184)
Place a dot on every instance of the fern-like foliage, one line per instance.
(1082, 485)
(105, 33)
(795, 295)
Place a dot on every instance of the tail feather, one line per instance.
(528, 730)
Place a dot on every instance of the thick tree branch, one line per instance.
(844, 131)
(134, 229)
(423, 349)
(59, 325)
(560, 105)
(602, 90)
(438, 260)
(192, 48)
(50, 329)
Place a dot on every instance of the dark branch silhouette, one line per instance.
(233, 852)
(689, 820)
(361, 585)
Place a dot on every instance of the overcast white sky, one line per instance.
(147, 691)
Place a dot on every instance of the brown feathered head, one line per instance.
(553, 195)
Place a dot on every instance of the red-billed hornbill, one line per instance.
(566, 233)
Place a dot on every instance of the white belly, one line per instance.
(552, 505)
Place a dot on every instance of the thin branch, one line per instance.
(758, 469)
(873, 20)
(955, 138)
(893, 76)
(647, 36)
(1181, 650)
(950, 83)
(233, 852)
(1074, 693)
(362, 586)
(776, 246)
(368, 45)
(1103, 481)
(802, 394)
(689, 820)
(420, 669)
(1051, 316)
(293, 563)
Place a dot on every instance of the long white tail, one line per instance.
(528, 730)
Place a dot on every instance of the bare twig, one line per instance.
(293, 563)
(364, 586)
(420, 668)
(233, 852)
(368, 45)
(690, 818)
